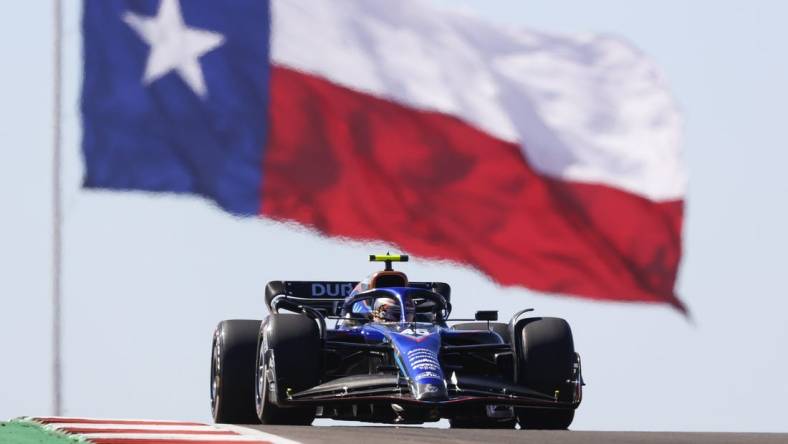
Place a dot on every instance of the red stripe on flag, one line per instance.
(352, 165)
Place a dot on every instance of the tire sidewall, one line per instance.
(545, 356)
(277, 337)
(216, 376)
(232, 361)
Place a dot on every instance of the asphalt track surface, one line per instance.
(384, 434)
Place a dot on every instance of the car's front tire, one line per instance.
(232, 371)
(289, 358)
(546, 358)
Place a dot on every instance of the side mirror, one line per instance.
(487, 315)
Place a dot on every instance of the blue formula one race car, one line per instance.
(394, 356)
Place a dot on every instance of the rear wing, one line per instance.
(327, 296)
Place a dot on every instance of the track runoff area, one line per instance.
(65, 430)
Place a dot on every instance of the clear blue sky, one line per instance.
(146, 278)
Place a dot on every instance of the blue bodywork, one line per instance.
(407, 366)
(416, 345)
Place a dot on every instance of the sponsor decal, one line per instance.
(425, 360)
(421, 351)
(431, 388)
(418, 331)
(331, 289)
(428, 374)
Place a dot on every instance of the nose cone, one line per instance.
(419, 357)
(429, 391)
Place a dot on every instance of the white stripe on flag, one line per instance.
(588, 108)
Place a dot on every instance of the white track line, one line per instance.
(248, 431)
(170, 437)
(73, 419)
(127, 426)
(156, 427)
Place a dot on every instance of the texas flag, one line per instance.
(545, 161)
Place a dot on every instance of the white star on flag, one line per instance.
(173, 45)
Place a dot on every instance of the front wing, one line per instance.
(394, 389)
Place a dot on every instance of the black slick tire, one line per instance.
(546, 358)
(289, 359)
(232, 371)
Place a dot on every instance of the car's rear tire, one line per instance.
(232, 371)
(289, 356)
(546, 358)
(498, 327)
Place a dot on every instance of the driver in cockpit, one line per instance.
(388, 310)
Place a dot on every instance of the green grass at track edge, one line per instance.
(24, 431)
